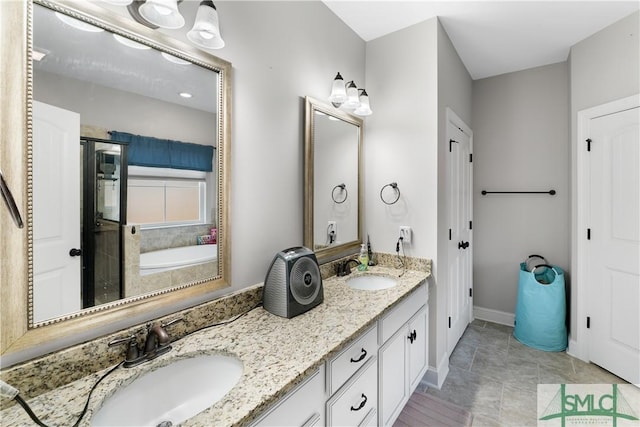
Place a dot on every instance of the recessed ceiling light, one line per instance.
(130, 43)
(185, 95)
(37, 55)
(174, 59)
(77, 24)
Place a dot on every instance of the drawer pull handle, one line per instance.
(412, 336)
(361, 358)
(364, 402)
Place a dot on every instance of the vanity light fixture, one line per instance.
(349, 97)
(163, 13)
(155, 14)
(206, 29)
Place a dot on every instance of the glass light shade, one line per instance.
(364, 109)
(352, 96)
(163, 13)
(338, 92)
(206, 29)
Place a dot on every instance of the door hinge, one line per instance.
(449, 234)
(470, 225)
(588, 322)
(588, 234)
(471, 292)
(470, 157)
(588, 144)
(449, 322)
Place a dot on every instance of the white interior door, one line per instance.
(460, 259)
(613, 248)
(56, 211)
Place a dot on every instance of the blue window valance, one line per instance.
(165, 153)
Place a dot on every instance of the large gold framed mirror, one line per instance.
(333, 180)
(120, 161)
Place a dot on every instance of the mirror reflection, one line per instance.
(125, 168)
(333, 183)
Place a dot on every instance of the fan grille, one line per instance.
(305, 280)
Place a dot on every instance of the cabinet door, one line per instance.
(417, 344)
(392, 374)
(304, 406)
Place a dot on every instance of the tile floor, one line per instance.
(495, 376)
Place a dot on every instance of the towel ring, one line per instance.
(393, 185)
(342, 187)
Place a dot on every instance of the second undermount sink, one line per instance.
(172, 393)
(371, 282)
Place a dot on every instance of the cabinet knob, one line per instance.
(412, 336)
(364, 402)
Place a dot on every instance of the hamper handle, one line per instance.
(545, 265)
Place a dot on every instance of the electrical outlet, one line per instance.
(332, 232)
(405, 233)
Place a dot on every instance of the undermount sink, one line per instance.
(172, 393)
(371, 282)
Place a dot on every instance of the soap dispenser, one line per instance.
(363, 258)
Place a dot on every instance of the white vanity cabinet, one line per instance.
(402, 358)
(368, 382)
(303, 406)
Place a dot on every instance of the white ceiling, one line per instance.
(491, 37)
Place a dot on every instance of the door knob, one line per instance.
(75, 252)
(463, 245)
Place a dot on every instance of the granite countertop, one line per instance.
(277, 354)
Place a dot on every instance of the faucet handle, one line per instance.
(133, 352)
(117, 341)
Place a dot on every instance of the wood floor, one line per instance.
(424, 410)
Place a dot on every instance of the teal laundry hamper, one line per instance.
(541, 307)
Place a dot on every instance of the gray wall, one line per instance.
(280, 51)
(603, 67)
(521, 142)
(151, 117)
(454, 92)
(414, 74)
(401, 146)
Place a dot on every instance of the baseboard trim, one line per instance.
(495, 316)
(576, 350)
(435, 376)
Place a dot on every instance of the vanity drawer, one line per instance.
(401, 314)
(353, 403)
(352, 358)
(303, 406)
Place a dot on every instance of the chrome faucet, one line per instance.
(343, 268)
(156, 343)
